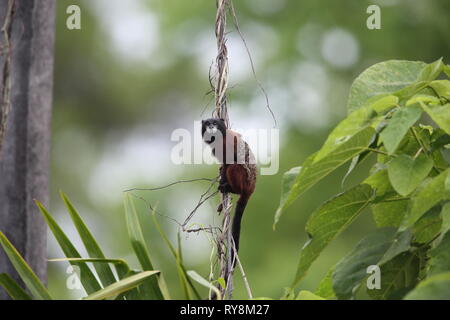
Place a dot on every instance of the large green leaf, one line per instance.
(427, 197)
(354, 123)
(325, 287)
(383, 78)
(398, 276)
(442, 88)
(431, 71)
(328, 221)
(150, 288)
(376, 248)
(93, 249)
(121, 286)
(27, 275)
(313, 171)
(432, 288)
(12, 288)
(87, 278)
(398, 126)
(440, 114)
(428, 226)
(406, 173)
(389, 213)
(440, 256)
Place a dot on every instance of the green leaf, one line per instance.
(308, 295)
(447, 70)
(439, 114)
(401, 243)
(87, 278)
(12, 288)
(376, 248)
(354, 123)
(150, 288)
(93, 249)
(406, 173)
(440, 256)
(383, 78)
(398, 126)
(389, 213)
(427, 197)
(428, 226)
(325, 288)
(398, 276)
(198, 278)
(133, 294)
(445, 215)
(328, 221)
(433, 288)
(379, 181)
(185, 281)
(121, 265)
(384, 104)
(286, 186)
(447, 184)
(425, 98)
(314, 171)
(431, 71)
(121, 286)
(27, 275)
(442, 88)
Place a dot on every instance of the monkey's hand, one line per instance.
(224, 187)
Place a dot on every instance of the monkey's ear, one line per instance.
(222, 119)
(203, 121)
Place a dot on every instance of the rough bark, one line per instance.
(24, 161)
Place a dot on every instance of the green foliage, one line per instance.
(307, 295)
(400, 114)
(406, 173)
(399, 117)
(131, 284)
(398, 126)
(32, 282)
(123, 285)
(328, 221)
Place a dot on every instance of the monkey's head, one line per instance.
(213, 128)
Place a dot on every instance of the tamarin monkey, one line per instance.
(238, 169)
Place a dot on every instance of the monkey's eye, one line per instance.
(207, 123)
(215, 123)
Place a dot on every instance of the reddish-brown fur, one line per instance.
(238, 173)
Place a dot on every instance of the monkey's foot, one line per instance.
(225, 188)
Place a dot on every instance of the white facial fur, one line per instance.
(212, 130)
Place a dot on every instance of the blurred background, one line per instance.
(138, 69)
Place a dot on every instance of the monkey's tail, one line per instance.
(235, 232)
(236, 226)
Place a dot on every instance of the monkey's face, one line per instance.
(212, 129)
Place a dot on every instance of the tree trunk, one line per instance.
(24, 159)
